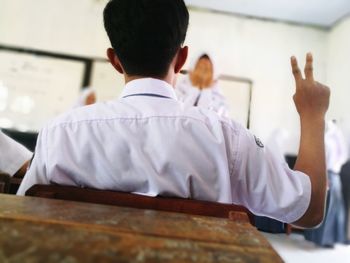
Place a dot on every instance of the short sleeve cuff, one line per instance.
(300, 208)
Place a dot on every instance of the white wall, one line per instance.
(255, 49)
(66, 26)
(339, 74)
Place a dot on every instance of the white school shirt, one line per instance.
(12, 155)
(209, 98)
(147, 142)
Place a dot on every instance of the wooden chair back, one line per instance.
(179, 205)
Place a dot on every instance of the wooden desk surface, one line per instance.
(43, 230)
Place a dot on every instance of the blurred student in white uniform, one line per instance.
(87, 97)
(333, 228)
(14, 157)
(200, 86)
(336, 147)
(147, 142)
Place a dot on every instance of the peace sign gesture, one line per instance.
(311, 98)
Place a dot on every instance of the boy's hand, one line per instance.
(311, 98)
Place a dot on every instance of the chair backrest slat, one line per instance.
(179, 205)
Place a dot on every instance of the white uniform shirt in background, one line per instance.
(210, 98)
(336, 148)
(12, 155)
(147, 142)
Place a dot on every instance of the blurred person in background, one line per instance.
(333, 228)
(87, 97)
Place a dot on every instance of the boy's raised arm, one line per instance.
(311, 100)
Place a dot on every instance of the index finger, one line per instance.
(296, 71)
(309, 70)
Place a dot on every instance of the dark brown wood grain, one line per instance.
(179, 205)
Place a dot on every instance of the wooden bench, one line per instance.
(179, 205)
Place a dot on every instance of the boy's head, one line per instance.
(146, 35)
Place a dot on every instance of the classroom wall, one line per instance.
(64, 26)
(339, 74)
(244, 47)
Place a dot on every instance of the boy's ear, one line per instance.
(181, 59)
(114, 60)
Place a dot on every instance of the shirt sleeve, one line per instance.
(264, 183)
(37, 173)
(12, 155)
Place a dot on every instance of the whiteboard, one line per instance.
(35, 89)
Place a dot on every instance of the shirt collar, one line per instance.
(149, 86)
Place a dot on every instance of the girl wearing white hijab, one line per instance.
(87, 97)
(14, 157)
(200, 87)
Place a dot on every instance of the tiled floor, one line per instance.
(294, 249)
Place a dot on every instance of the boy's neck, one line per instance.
(169, 78)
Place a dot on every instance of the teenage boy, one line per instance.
(147, 142)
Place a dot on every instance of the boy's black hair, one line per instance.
(146, 34)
